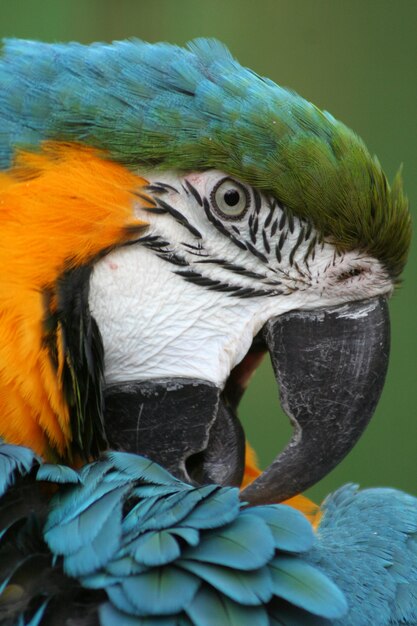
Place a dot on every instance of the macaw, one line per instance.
(167, 217)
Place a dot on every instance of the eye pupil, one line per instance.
(232, 197)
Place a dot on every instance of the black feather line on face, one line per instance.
(68, 325)
(82, 375)
(194, 192)
(164, 207)
(164, 251)
(220, 226)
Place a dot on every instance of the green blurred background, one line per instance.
(356, 59)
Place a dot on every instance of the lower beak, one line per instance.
(184, 425)
(330, 365)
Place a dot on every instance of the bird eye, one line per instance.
(230, 199)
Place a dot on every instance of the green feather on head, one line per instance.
(196, 108)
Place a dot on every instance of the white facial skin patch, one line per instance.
(210, 271)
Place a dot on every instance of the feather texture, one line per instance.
(14, 461)
(122, 541)
(51, 401)
(155, 554)
(197, 108)
(113, 549)
(371, 536)
(170, 543)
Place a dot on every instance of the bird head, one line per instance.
(238, 219)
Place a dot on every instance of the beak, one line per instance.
(330, 365)
(184, 425)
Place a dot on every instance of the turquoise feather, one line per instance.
(371, 536)
(229, 550)
(221, 509)
(14, 461)
(156, 548)
(61, 474)
(291, 532)
(183, 566)
(244, 544)
(250, 587)
(86, 525)
(210, 608)
(307, 588)
(196, 108)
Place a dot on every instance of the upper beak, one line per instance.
(330, 365)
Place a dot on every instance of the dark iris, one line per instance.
(232, 197)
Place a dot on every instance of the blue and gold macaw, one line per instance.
(167, 218)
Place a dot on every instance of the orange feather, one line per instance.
(58, 209)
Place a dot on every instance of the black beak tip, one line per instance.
(330, 365)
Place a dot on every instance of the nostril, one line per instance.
(355, 271)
